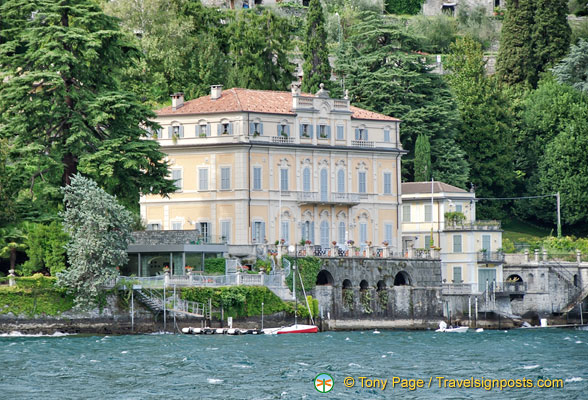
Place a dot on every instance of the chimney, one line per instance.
(216, 91)
(177, 100)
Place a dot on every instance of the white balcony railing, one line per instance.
(362, 143)
(283, 139)
(341, 198)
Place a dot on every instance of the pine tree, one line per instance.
(516, 62)
(61, 103)
(573, 70)
(551, 32)
(316, 65)
(422, 159)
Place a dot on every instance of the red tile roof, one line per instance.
(260, 101)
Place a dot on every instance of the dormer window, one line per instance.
(361, 134)
(306, 131)
(283, 130)
(324, 131)
(176, 131)
(225, 128)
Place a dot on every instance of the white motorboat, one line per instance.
(455, 329)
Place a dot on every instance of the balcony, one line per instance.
(350, 199)
(363, 143)
(472, 226)
(490, 257)
(283, 139)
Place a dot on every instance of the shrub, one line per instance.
(214, 266)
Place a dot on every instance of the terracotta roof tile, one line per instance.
(260, 101)
(425, 187)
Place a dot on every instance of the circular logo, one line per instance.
(323, 383)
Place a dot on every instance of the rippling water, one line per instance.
(284, 366)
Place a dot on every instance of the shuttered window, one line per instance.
(362, 182)
(340, 132)
(225, 178)
(406, 213)
(341, 181)
(203, 179)
(177, 178)
(257, 178)
(457, 243)
(387, 183)
(428, 213)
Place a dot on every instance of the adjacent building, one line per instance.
(255, 167)
(435, 214)
(451, 7)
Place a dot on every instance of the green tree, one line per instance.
(99, 229)
(544, 114)
(62, 104)
(485, 131)
(422, 159)
(316, 65)
(380, 66)
(411, 7)
(551, 32)
(259, 46)
(12, 240)
(564, 169)
(573, 69)
(516, 62)
(45, 248)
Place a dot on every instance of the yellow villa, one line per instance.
(255, 167)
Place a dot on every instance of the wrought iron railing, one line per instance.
(490, 257)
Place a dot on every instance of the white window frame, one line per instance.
(225, 232)
(225, 181)
(180, 186)
(257, 183)
(205, 171)
(362, 184)
(457, 245)
(428, 213)
(406, 213)
(387, 183)
(284, 179)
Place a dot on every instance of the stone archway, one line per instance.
(381, 285)
(324, 278)
(402, 279)
(514, 278)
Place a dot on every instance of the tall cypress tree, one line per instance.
(516, 60)
(316, 65)
(551, 32)
(422, 159)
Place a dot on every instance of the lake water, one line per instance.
(285, 366)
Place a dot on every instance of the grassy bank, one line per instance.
(36, 295)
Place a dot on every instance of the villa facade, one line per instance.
(255, 167)
(471, 256)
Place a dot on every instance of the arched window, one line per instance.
(306, 180)
(341, 181)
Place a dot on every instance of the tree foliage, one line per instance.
(45, 248)
(410, 7)
(62, 105)
(535, 35)
(552, 110)
(383, 72)
(485, 129)
(573, 69)
(316, 65)
(422, 159)
(100, 231)
(516, 63)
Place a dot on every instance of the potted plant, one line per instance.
(284, 134)
(302, 242)
(277, 242)
(202, 134)
(308, 242)
(334, 243)
(256, 134)
(385, 243)
(175, 138)
(166, 268)
(189, 268)
(282, 241)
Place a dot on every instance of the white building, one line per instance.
(445, 216)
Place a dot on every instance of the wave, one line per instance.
(531, 366)
(574, 379)
(19, 334)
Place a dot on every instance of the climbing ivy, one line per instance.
(365, 299)
(309, 269)
(383, 299)
(348, 299)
